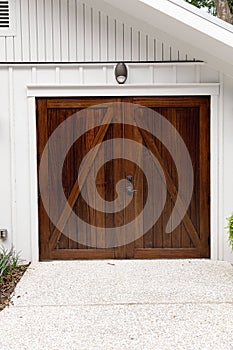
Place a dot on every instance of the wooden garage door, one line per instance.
(190, 117)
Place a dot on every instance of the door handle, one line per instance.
(130, 190)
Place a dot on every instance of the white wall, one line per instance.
(227, 162)
(90, 30)
(6, 201)
(73, 30)
(16, 132)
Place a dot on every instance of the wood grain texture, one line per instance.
(83, 176)
(189, 115)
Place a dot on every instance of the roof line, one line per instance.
(180, 62)
(212, 19)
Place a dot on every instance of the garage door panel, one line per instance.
(190, 117)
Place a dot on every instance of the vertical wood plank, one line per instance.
(103, 37)
(3, 55)
(148, 238)
(143, 47)
(138, 182)
(135, 45)
(49, 31)
(159, 226)
(64, 30)
(26, 48)
(204, 177)
(40, 12)
(174, 54)
(68, 180)
(185, 238)
(18, 37)
(81, 147)
(10, 50)
(42, 136)
(166, 53)
(119, 41)
(72, 34)
(80, 31)
(158, 50)
(182, 55)
(33, 30)
(176, 119)
(96, 36)
(55, 118)
(150, 48)
(118, 174)
(100, 187)
(88, 30)
(56, 30)
(127, 43)
(91, 213)
(167, 163)
(111, 39)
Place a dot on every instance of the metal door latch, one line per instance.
(130, 190)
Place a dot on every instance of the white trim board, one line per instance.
(216, 185)
(121, 90)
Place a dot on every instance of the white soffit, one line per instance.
(201, 32)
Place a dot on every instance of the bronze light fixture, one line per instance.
(121, 73)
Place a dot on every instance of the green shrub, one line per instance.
(9, 261)
(230, 230)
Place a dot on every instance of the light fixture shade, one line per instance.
(121, 73)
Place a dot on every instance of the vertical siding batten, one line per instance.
(87, 15)
(80, 32)
(119, 41)
(40, 20)
(111, 39)
(18, 37)
(72, 33)
(33, 236)
(26, 48)
(103, 37)
(9, 48)
(64, 31)
(220, 168)
(32, 30)
(143, 50)
(48, 31)
(13, 160)
(96, 36)
(127, 43)
(3, 49)
(56, 31)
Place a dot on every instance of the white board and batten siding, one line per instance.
(67, 47)
(74, 31)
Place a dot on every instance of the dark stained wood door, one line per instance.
(190, 116)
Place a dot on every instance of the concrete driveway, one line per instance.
(120, 304)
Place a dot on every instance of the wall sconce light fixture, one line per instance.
(121, 73)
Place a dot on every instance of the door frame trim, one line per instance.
(215, 91)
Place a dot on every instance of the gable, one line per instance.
(83, 31)
(201, 34)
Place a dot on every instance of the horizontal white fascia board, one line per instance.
(101, 64)
(121, 90)
(198, 12)
(151, 10)
(186, 26)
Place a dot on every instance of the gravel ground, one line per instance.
(121, 304)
